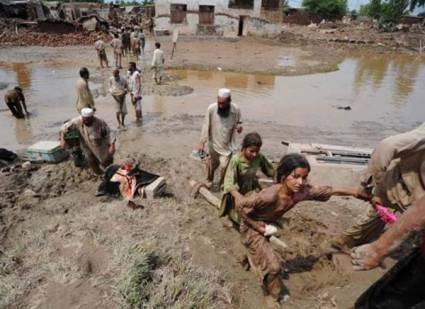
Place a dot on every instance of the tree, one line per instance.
(328, 9)
(375, 9)
(393, 10)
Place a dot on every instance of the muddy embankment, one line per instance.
(61, 246)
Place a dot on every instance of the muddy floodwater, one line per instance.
(367, 90)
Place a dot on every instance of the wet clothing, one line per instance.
(158, 58)
(158, 63)
(242, 177)
(13, 101)
(142, 40)
(135, 42)
(401, 287)
(218, 131)
(135, 84)
(158, 71)
(118, 89)
(216, 161)
(84, 95)
(99, 45)
(175, 35)
(94, 139)
(126, 44)
(266, 207)
(117, 46)
(396, 174)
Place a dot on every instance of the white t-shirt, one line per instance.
(158, 57)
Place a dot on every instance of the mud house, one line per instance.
(229, 18)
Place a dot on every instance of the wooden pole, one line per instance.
(215, 201)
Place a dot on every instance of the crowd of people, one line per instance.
(394, 179)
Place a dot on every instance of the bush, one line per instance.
(392, 11)
(328, 9)
(388, 12)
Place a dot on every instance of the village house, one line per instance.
(228, 18)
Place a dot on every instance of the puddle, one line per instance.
(379, 89)
(285, 61)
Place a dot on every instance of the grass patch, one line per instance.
(155, 281)
(135, 285)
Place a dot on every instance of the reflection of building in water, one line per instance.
(23, 75)
(205, 75)
(234, 80)
(370, 70)
(406, 72)
(23, 131)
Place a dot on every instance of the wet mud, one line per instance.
(59, 244)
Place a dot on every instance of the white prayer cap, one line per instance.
(87, 112)
(224, 93)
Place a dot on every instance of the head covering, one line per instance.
(87, 112)
(224, 93)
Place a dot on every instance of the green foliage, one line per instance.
(372, 9)
(285, 10)
(134, 287)
(392, 11)
(328, 9)
(387, 12)
(364, 10)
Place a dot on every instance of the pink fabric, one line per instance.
(385, 214)
(127, 184)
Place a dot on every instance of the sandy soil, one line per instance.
(60, 246)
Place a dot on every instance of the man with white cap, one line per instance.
(94, 139)
(221, 121)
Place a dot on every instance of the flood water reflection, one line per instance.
(382, 89)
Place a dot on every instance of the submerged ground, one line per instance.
(61, 247)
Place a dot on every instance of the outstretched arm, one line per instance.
(371, 255)
(351, 191)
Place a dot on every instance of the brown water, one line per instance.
(381, 90)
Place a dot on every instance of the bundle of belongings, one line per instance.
(126, 180)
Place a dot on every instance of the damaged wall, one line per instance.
(225, 21)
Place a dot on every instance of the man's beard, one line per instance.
(223, 112)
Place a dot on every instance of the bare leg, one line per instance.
(173, 50)
(118, 119)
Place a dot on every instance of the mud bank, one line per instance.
(62, 246)
(58, 239)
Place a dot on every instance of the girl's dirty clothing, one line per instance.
(242, 177)
(265, 207)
